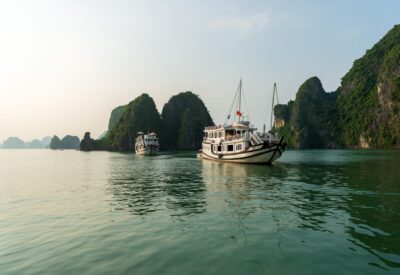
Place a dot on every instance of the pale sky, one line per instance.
(64, 65)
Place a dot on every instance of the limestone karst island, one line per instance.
(199, 137)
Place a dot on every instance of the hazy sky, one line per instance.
(64, 65)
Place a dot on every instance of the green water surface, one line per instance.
(313, 212)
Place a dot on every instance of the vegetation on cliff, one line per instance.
(184, 118)
(310, 120)
(364, 111)
(180, 126)
(140, 115)
(89, 144)
(115, 116)
(369, 97)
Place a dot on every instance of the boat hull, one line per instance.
(257, 155)
(148, 151)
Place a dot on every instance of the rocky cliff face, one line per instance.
(88, 144)
(364, 112)
(184, 118)
(115, 116)
(369, 97)
(181, 126)
(140, 115)
(307, 121)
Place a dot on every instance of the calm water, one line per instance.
(313, 212)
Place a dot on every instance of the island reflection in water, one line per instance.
(351, 198)
(313, 212)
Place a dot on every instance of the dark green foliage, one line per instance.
(184, 118)
(310, 119)
(283, 111)
(363, 112)
(181, 127)
(115, 116)
(140, 115)
(369, 96)
(89, 144)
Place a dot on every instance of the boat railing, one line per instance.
(255, 139)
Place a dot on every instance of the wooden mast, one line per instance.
(274, 91)
(240, 99)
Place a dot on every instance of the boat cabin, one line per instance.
(228, 139)
(147, 140)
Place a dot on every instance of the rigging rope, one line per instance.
(233, 102)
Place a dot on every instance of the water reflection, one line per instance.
(354, 196)
(184, 188)
(341, 195)
(374, 208)
(361, 195)
(146, 185)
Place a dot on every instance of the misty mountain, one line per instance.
(34, 144)
(68, 142)
(46, 141)
(14, 143)
(17, 143)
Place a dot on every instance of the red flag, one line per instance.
(238, 113)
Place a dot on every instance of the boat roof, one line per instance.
(149, 134)
(233, 126)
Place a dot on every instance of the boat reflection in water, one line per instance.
(335, 203)
(157, 184)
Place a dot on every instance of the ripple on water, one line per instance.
(312, 212)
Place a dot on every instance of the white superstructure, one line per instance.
(146, 144)
(240, 142)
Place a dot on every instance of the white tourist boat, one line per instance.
(146, 144)
(239, 141)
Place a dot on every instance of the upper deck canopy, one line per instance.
(244, 125)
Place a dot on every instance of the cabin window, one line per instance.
(220, 134)
(219, 148)
(230, 148)
(238, 147)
